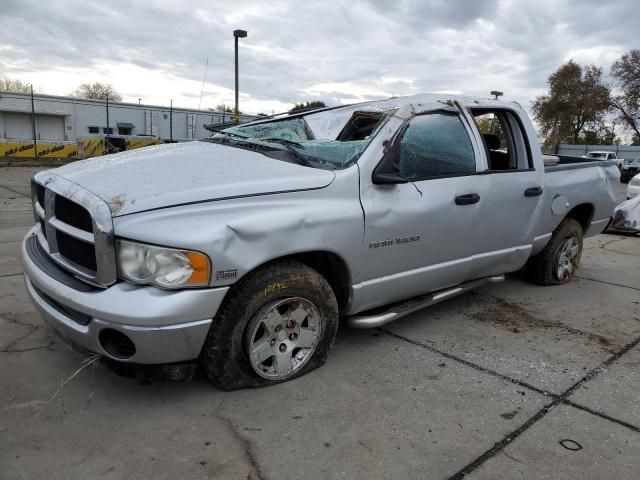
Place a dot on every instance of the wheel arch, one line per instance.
(583, 214)
(332, 267)
(328, 264)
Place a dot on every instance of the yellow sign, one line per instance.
(92, 147)
(87, 147)
(45, 150)
(133, 143)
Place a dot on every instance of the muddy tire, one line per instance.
(275, 324)
(558, 262)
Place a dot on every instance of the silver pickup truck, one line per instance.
(243, 251)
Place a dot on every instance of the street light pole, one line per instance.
(107, 138)
(238, 34)
(33, 126)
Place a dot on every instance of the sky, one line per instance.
(336, 51)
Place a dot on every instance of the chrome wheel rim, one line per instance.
(284, 335)
(568, 259)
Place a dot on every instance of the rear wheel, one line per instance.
(558, 262)
(276, 324)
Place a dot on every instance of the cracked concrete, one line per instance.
(489, 384)
(254, 473)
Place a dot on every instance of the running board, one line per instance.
(402, 309)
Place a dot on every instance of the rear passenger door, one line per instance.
(515, 189)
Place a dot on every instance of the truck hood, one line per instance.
(179, 173)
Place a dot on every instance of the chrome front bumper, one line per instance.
(165, 326)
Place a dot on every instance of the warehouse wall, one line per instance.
(66, 118)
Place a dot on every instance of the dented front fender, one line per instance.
(241, 234)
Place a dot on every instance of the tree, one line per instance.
(223, 108)
(605, 135)
(14, 86)
(299, 107)
(578, 100)
(485, 124)
(97, 91)
(626, 76)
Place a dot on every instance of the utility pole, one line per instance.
(238, 34)
(33, 126)
(171, 121)
(107, 138)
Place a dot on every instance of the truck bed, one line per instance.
(565, 162)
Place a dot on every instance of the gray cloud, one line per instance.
(340, 51)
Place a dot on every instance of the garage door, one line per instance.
(17, 125)
(48, 127)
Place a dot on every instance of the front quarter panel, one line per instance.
(244, 233)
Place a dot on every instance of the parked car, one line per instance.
(634, 187)
(630, 168)
(626, 216)
(604, 155)
(244, 250)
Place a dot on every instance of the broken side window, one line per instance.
(360, 126)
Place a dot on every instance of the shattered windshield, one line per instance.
(292, 140)
(295, 130)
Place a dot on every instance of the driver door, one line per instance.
(420, 235)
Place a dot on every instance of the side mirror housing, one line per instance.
(388, 179)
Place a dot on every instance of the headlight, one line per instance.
(635, 181)
(163, 267)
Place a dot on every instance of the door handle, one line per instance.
(533, 192)
(467, 199)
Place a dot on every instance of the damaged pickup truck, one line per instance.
(244, 250)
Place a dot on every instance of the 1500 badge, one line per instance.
(397, 241)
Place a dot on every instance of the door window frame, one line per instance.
(469, 112)
(386, 161)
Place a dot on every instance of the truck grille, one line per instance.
(40, 193)
(76, 251)
(73, 214)
(66, 215)
(42, 228)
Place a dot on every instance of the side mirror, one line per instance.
(386, 173)
(388, 179)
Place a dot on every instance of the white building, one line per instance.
(67, 119)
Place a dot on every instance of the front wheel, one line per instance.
(276, 324)
(558, 262)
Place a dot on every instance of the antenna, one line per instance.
(206, 65)
(194, 126)
(497, 94)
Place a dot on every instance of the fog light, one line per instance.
(116, 344)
